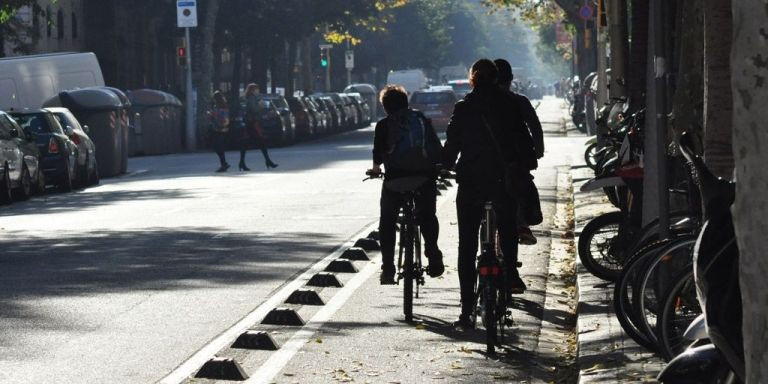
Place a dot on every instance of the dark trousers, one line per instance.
(391, 203)
(219, 142)
(469, 207)
(255, 137)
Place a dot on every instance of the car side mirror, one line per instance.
(14, 133)
(86, 129)
(69, 131)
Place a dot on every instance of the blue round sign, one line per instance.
(586, 12)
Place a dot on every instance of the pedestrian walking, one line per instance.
(252, 132)
(483, 130)
(407, 144)
(529, 206)
(219, 124)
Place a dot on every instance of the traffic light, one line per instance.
(181, 53)
(323, 58)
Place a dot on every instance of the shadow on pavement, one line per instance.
(103, 263)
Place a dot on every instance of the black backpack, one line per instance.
(413, 144)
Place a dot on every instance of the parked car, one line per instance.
(460, 87)
(349, 105)
(269, 118)
(289, 121)
(436, 105)
(88, 170)
(334, 113)
(19, 162)
(321, 115)
(345, 114)
(58, 154)
(363, 109)
(305, 120)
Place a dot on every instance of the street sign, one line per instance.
(586, 12)
(349, 59)
(326, 46)
(186, 13)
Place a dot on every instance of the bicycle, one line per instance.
(410, 269)
(491, 300)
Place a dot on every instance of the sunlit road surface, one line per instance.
(125, 281)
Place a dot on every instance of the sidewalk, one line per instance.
(606, 353)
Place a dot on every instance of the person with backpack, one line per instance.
(485, 131)
(407, 145)
(527, 207)
(219, 116)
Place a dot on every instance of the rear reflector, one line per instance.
(53, 146)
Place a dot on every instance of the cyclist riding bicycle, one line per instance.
(406, 144)
(482, 129)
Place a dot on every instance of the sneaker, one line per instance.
(387, 276)
(515, 285)
(525, 236)
(464, 322)
(436, 266)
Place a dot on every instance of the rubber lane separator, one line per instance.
(189, 367)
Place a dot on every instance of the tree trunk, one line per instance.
(237, 78)
(291, 69)
(306, 70)
(688, 99)
(638, 53)
(586, 56)
(718, 100)
(205, 60)
(750, 91)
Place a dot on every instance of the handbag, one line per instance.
(518, 183)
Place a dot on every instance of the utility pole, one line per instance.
(617, 19)
(656, 183)
(186, 15)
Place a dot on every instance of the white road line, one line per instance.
(194, 363)
(283, 356)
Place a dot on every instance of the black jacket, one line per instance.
(481, 162)
(531, 119)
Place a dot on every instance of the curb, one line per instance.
(605, 353)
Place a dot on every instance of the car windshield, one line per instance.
(35, 123)
(461, 87)
(279, 102)
(66, 120)
(432, 98)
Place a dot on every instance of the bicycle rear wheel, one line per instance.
(408, 273)
(489, 317)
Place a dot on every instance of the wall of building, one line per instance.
(50, 27)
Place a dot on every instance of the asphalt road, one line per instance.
(124, 282)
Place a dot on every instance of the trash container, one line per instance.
(158, 122)
(103, 111)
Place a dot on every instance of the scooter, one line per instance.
(716, 271)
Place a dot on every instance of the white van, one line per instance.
(28, 81)
(411, 79)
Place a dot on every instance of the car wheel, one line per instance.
(94, 178)
(65, 185)
(25, 184)
(5, 187)
(40, 184)
(84, 177)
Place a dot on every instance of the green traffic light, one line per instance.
(324, 63)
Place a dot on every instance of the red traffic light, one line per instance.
(182, 51)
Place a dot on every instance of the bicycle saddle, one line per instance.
(406, 184)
